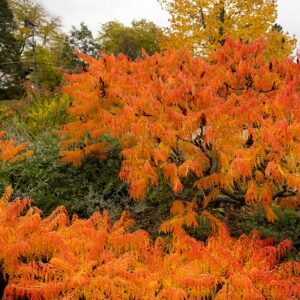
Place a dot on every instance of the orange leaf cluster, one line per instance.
(92, 258)
(232, 119)
(9, 152)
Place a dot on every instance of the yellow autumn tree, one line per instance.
(201, 25)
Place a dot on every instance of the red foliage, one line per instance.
(232, 119)
(9, 152)
(56, 257)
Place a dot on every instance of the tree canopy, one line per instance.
(115, 37)
(201, 25)
(10, 63)
(82, 40)
(47, 26)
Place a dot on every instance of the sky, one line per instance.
(96, 12)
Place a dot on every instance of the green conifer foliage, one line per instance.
(10, 64)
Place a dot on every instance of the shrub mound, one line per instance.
(47, 258)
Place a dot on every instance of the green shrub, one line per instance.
(93, 186)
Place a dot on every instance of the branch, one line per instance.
(235, 196)
(273, 88)
(233, 88)
(102, 87)
(3, 281)
(202, 18)
(198, 142)
(225, 199)
(143, 114)
(214, 163)
(182, 109)
(285, 193)
(176, 156)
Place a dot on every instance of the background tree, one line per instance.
(82, 40)
(202, 25)
(49, 69)
(279, 43)
(115, 37)
(78, 39)
(69, 59)
(47, 27)
(10, 63)
(48, 41)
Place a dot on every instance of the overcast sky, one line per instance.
(95, 12)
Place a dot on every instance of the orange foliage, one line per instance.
(56, 257)
(292, 202)
(232, 119)
(9, 152)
